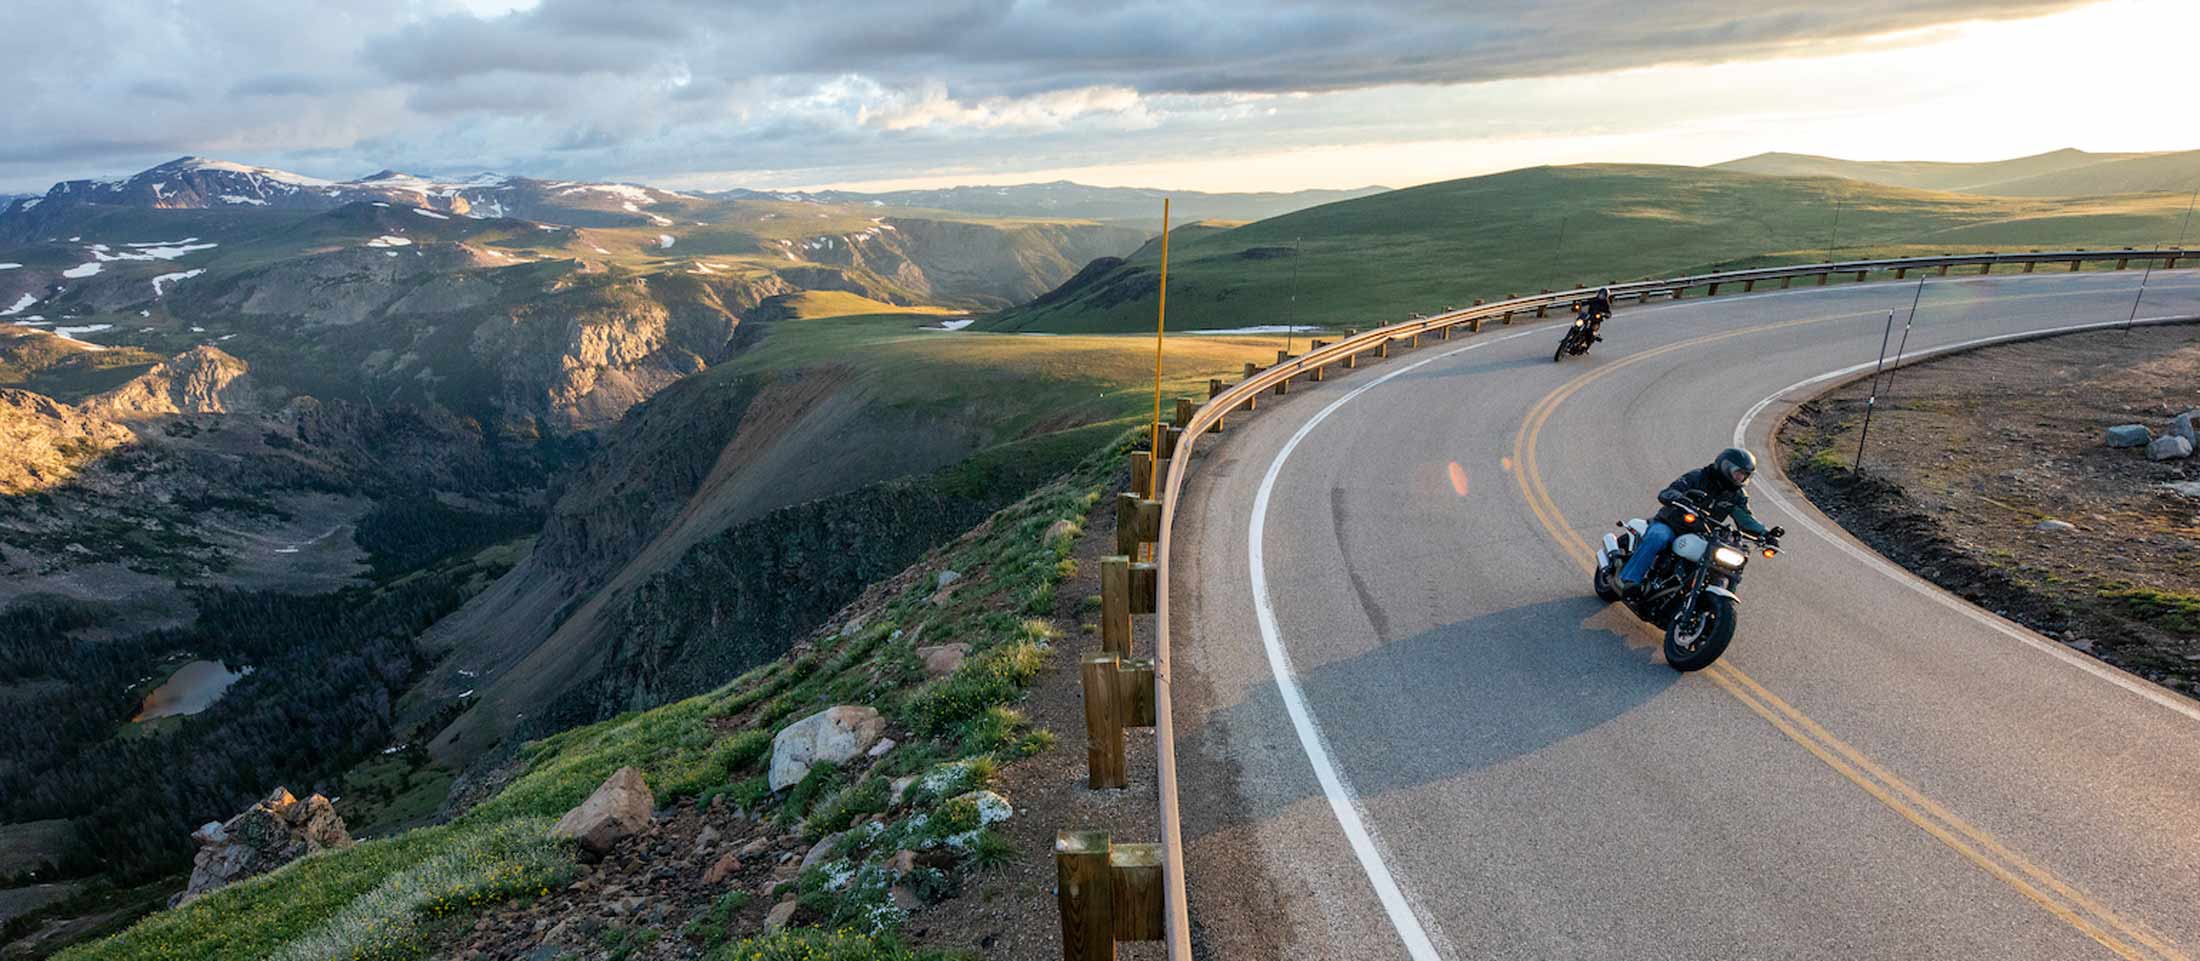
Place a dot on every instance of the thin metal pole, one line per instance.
(1160, 324)
(2144, 277)
(1557, 247)
(1833, 242)
(1904, 346)
(1873, 400)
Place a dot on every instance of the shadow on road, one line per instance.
(1450, 700)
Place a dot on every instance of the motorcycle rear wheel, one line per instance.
(1691, 644)
(1601, 582)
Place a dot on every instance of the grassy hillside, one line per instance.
(1921, 174)
(1378, 258)
(2061, 173)
(2157, 173)
(403, 897)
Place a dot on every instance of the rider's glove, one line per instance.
(1777, 532)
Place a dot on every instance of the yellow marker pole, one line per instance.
(1161, 323)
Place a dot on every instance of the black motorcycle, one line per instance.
(1689, 591)
(1580, 336)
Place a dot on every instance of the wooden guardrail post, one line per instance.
(1252, 400)
(1786, 281)
(1115, 603)
(1382, 349)
(1137, 521)
(1822, 278)
(2029, 264)
(2122, 262)
(1183, 418)
(1314, 347)
(1105, 763)
(1986, 268)
(1508, 318)
(1749, 285)
(1860, 275)
(2074, 265)
(2172, 265)
(1678, 292)
(1283, 386)
(1142, 471)
(1943, 270)
(1901, 272)
(1713, 292)
(1119, 694)
(1540, 310)
(1106, 893)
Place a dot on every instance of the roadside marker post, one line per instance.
(1106, 892)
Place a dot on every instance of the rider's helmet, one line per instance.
(1735, 464)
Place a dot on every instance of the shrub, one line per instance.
(850, 805)
(810, 944)
(710, 927)
(991, 850)
(823, 778)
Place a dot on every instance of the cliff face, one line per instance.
(202, 380)
(43, 442)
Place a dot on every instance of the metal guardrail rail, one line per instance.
(1176, 913)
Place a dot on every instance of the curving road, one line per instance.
(1407, 730)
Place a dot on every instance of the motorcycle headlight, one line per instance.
(1728, 558)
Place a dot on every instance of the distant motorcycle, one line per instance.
(1690, 590)
(1580, 336)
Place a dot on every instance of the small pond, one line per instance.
(193, 688)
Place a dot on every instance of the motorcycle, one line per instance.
(1689, 591)
(1579, 336)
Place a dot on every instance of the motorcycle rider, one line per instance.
(1595, 310)
(1715, 492)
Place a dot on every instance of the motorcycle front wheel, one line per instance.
(1693, 642)
(1563, 343)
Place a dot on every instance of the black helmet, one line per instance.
(1604, 292)
(1735, 465)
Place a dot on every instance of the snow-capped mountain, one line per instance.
(200, 183)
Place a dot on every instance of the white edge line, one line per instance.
(1350, 817)
(2090, 665)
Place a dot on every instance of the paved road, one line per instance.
(1409, 731)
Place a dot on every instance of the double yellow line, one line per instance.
(2128, 939)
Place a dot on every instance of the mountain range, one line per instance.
(2057, 173)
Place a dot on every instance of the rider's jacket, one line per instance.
(1713, 493)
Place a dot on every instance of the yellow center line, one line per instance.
(2082, 912)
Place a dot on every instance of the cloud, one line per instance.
(648, 88)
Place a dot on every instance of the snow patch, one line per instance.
(951, 324)
(236, 199)
(20, 306)
(83, 270)
(664, 241)
(389, 240)
(1261, 329)
(165, 279)
(425, 212)
(9, 266)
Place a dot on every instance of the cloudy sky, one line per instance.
(1219, 95)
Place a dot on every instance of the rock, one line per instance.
(2169, 447)
(2128, 435)
(941, 660)
(706, 838)
(1057, 531)
(619, 809)
(904, 898)
(725, 867)
(837, 734)
(822, 849)
(2184, 488)
(274, 832)
(852, 628)
(2187, 426)
(945, 579)
(756, 847)
(901, 787)
(903, 862)
(779, 915)
(879, 750)
(2054, 525)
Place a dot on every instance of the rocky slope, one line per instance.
(46, 441)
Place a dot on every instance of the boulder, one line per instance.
(941, 660)
(901, 786)
(837, 734)
(274, 832)
(946, 579)
(1057, 531)
(2054, 526)
(881, 748)
(2169, 447)
(2128, 435)
(619, 809)
(779, 915)
(822, 849)
(724, 868)
(2187, 426)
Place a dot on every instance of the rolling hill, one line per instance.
(1378, 258)
(1062, 198)
(2060, 173)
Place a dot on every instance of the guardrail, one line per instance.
(1107, 897)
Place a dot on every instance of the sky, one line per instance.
(1223, 95)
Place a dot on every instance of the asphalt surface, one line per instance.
(1487, 762)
